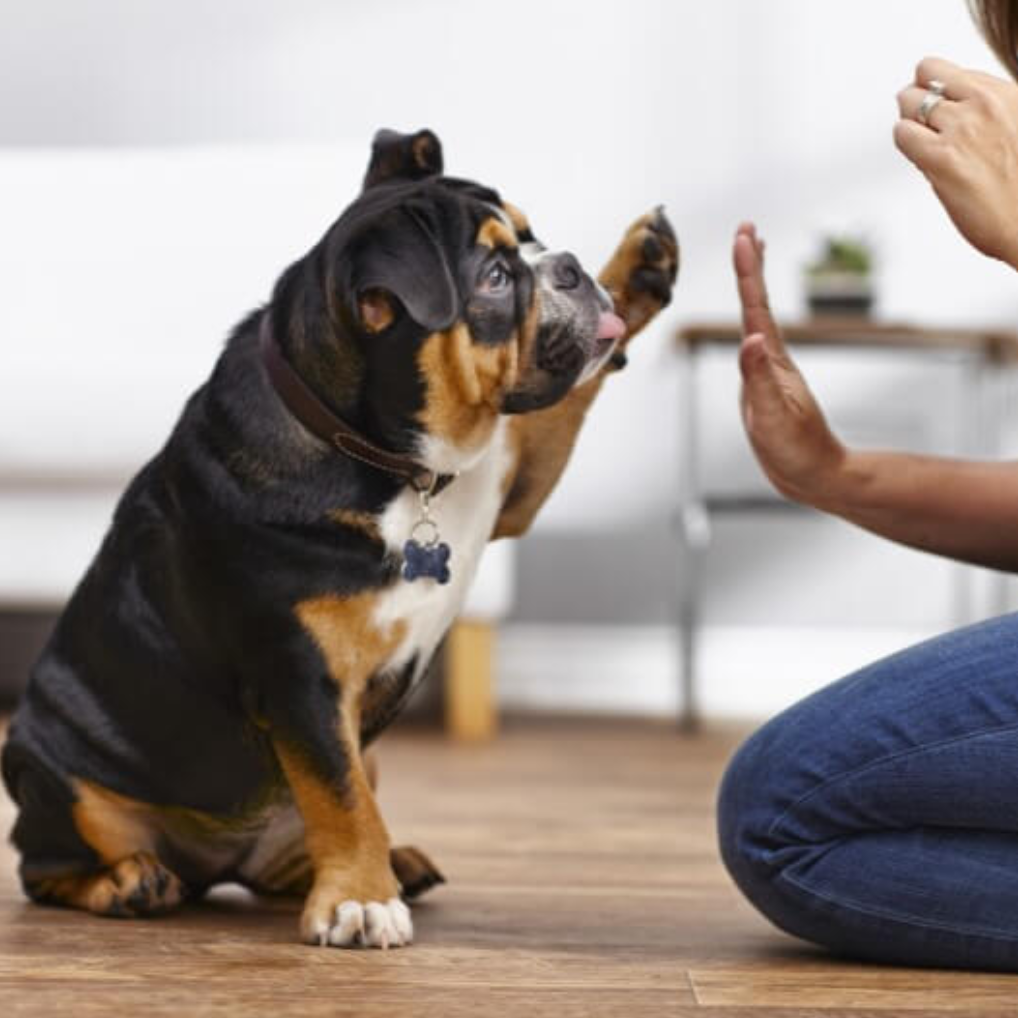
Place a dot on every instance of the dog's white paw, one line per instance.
(367, 924)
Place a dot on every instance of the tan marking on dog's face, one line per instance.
(526, 347)
(494, 233)
(464, 382)
(516, 217)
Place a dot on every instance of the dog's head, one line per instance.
(430, 307)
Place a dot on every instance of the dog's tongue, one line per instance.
(610, 326)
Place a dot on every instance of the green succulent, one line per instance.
(843, 254)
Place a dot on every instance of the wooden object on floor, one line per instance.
(470, 711)
(583, 881)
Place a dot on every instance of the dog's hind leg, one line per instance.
(137, 885)
(95, 852)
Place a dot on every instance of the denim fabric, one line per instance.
(879, 817)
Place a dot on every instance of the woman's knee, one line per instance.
(780, 765)
(746, 811)
(772, 770)
(773, 825)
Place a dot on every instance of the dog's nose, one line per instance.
(566, 273)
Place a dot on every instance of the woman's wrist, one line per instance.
(838, 485)
(853, 490)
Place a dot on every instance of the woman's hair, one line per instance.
(998, 20)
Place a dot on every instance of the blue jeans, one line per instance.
(879, 817)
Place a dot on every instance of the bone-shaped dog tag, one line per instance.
(427, 558)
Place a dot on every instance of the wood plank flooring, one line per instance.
(583, 880)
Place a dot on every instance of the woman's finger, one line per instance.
(920, 145)
(958, 82)
(940, 116)
(756, 311)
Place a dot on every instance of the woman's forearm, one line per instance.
(962, 509)
(965, 510)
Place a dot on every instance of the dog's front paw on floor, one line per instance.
(358, 924)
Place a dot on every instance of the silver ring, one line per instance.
(930, 102)
(429, 524)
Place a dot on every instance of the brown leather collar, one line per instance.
(321, 421)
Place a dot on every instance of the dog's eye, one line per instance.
(496, 278)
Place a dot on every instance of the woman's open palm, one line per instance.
(783, 420)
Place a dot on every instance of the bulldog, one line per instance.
(275, 581)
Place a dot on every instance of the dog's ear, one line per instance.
(399, 256)
(396, 156)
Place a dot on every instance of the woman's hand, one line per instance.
(968, 150)
(785, 424)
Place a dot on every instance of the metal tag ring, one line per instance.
(431, 541)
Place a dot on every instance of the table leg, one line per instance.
(470, 711)
(693, 535)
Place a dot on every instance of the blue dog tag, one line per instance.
(426, 561)
(428, 558)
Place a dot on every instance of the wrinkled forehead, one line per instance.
(461, 214)
(498, 223)
(501, 225)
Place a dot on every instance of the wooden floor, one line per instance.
(583, 880)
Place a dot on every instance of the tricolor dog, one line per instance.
(276, 579)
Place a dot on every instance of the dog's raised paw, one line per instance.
(363, 924)
(641, 274)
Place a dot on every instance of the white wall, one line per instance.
(585, 113)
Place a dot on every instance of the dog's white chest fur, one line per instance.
(465, 513)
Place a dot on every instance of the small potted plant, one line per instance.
(840, 281)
